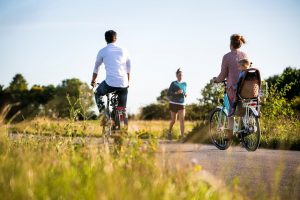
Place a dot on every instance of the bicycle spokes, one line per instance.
(218, 127)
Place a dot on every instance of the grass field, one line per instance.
(45, 126)
(51, 169)
(46, 169)
(276, 134)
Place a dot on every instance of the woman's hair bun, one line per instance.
(237, 40)
(242, 39)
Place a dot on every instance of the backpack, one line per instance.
(250, 84)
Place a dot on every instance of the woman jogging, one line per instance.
(177, 95)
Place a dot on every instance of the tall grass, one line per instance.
(45, 169)
(46, 126)
(280, 133)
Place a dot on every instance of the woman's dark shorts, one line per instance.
(175, 107)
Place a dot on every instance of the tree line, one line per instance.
(73, 98)
(54, 101)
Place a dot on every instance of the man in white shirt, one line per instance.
(117, 66)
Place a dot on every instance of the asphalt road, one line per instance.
(263, 172)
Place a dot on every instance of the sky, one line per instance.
(48, 41)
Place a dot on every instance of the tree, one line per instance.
(284, 94)
(73, 98)
(41, 94)
(18, 84)
(159, 110)
(155, 111)
(163, 98)
(195, 112)
(15, 94)
(211, 94)
(287, 82)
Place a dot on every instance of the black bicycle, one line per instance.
(114, 121)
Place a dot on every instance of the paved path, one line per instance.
(259, 171)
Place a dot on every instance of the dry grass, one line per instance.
(47, 169)
(46, 126)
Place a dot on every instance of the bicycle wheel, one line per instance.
(106, 129)
(120, 121)
(218, 122)
(251, 135)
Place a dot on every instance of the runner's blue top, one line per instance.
(177, 98)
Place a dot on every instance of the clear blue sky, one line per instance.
(48, 41)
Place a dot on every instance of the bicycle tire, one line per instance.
(248, 143)
(106, 129)
(217, 134)
(117, 122)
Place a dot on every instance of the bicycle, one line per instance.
(114, 120)
(247, 129)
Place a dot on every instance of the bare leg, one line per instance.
(229, 131)
(230, 123)
(172, 122)
(181, 115)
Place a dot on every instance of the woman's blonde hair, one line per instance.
(244, 64)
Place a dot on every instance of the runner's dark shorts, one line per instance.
(175, 107)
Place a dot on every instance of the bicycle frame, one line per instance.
(245, 123)
(117, 114)
(225, 107)
(247, 104)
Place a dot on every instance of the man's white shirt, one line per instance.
(117, 65)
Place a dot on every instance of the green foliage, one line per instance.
(71, 96)
(290, 77)
(295, 103)
(195, 112)
(284, 88)
(155, 111)
(211, 94)
(18, 84)
(46, 100)
(280, 133)
(15, 94)
(41, 94)
(276, 105)
(163, 98)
